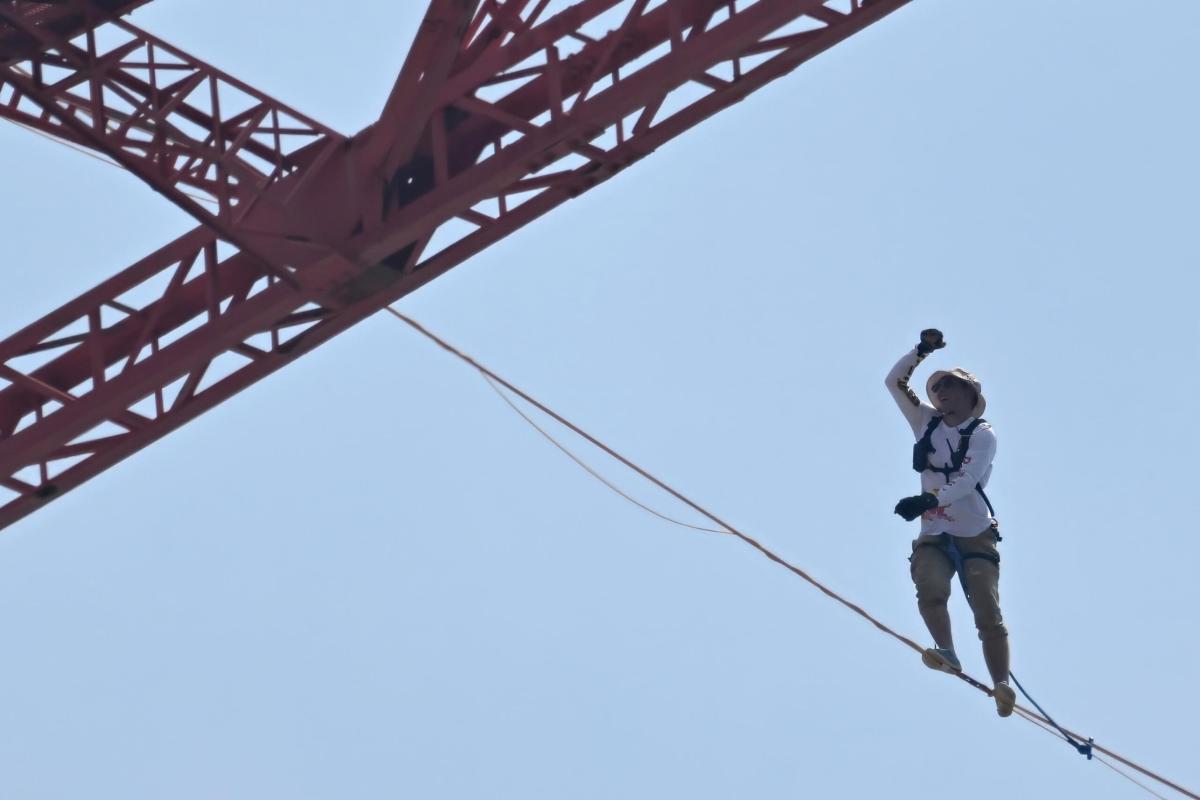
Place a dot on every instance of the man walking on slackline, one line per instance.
(954, 453)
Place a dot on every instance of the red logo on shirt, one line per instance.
(937, 513)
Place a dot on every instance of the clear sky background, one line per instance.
(366, 578)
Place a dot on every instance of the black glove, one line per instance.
(912, 507)
(931, 339)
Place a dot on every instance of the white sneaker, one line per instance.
(941, 659)
(1005, 699)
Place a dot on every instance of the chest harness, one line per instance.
(922, 451)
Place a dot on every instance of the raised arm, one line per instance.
(916, 412)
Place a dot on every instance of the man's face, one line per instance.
(954, 396)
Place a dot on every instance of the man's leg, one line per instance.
(982, 576)
(982, 579)
(931, 572)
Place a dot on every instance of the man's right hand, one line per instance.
(931, 339)
(912, 507)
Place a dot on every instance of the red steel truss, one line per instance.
(61, 17)
(504, 110)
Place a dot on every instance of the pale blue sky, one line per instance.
(366, 578)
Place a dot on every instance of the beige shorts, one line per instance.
(932, 571)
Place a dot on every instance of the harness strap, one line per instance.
(924, 448)
(946, 545)
(986, 502)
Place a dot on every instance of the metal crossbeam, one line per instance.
(539, 107)
(167, 117)
(66, 18)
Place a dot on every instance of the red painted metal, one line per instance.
(167, 117)
(536, 109)
(430, 59)
(67, 18)
(178, 119)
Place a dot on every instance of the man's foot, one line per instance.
(1005, 699)
(941, 659)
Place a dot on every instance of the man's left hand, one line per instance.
(912, 507)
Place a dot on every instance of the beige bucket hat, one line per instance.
(962, 375)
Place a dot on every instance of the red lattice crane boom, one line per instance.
(503, 110)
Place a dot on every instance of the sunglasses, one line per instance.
(950, 382)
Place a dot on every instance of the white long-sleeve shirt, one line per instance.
(961, 511)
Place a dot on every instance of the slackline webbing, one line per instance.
(1023, 712)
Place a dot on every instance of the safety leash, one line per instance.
(1082, 749)
(952, 550)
